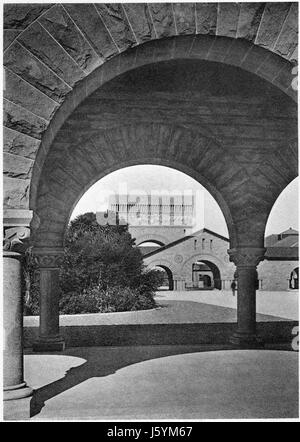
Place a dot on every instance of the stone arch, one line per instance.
(186, 267)
(41, 117)
(185, 47)
(55, 55)
(217, 280)
(54, 208)
(169, 273)
(155, 238)
(201, 47)
(162, 262)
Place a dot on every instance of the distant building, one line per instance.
(157, 218)
(200, 261)
(279, 271)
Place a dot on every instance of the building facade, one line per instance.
(201, 261)
(198, 260)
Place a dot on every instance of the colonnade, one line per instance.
(49, 260)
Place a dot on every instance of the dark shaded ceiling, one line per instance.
(195, 76)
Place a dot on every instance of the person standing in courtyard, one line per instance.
(233, 287)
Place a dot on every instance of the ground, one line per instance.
(163, 382)
(169, 381)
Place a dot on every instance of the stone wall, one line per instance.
(275, 275)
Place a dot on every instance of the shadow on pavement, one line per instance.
(104, 361)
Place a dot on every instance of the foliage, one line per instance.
(102, 271)
(99, 255)
(30, 287)
(114, 299)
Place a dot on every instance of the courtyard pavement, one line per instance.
(279, 304)
(168, 381)
(163, 382)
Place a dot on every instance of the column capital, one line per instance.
(16, 239)
(247, 256)
(17, 225)
(48, 257)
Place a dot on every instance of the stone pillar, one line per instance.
(13, 383)
(49, 261)
(246, 260)
(15, 389)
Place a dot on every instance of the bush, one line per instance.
(103, 271)
(114, 299)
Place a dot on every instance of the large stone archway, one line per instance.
(222, 141)
(72, 116)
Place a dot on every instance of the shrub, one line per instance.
(114, 299)
(103, 271)
(75, 303)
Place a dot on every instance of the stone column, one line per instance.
(15, 390)
(246, 260)
(49, 261)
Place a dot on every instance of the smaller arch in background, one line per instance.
(167, 266)
(154, 241)
(208, 273)
(294, 279)
(169, 275)
(215, 264)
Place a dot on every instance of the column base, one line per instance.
(246, 341)
(17, 392)
(49, 344)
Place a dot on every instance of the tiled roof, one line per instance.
(290, 231)
(284, 249)
(289, 241)
(282, 253)
(271, 240)
(185, 238)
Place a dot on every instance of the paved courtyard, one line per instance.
(169, 381)
(163, 382)
(279, 304)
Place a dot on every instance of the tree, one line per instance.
(104, 260)
(99, 255)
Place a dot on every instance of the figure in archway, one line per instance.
(233, 287)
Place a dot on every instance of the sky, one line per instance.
(147, 178)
